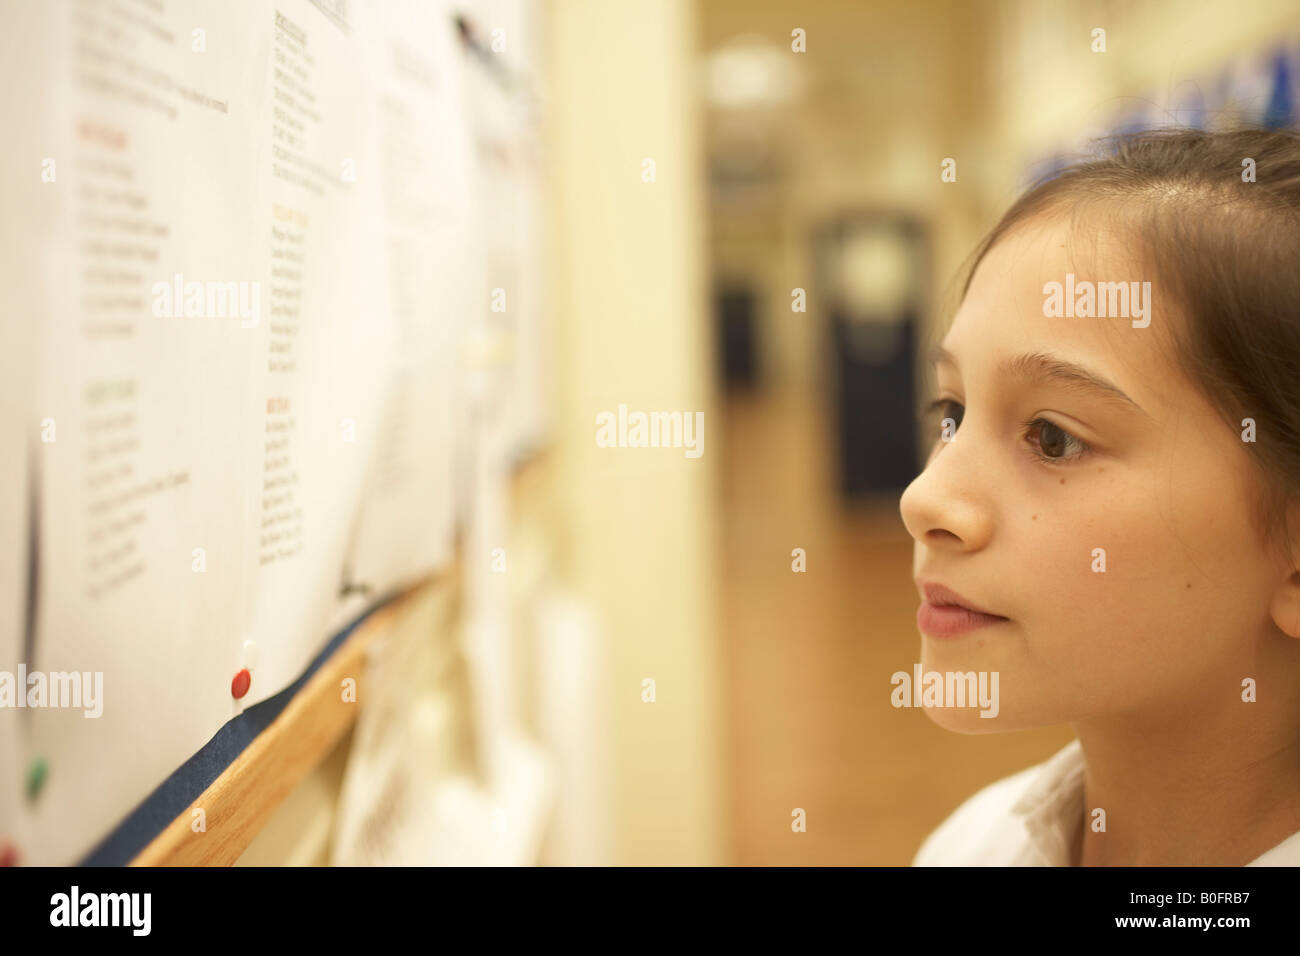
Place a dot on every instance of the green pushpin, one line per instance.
(36, 776)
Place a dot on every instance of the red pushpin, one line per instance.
(8, 854)
(239, 686)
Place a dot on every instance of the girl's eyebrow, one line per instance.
(1045, 367)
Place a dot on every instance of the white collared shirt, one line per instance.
(1029, 819)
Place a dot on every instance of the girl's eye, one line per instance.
(1051, 443)
(1048, 442)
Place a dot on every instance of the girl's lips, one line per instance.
(945, 613)
(952, 620)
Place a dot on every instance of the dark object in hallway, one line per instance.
(871, 265)
(875, 408)
(738, 337)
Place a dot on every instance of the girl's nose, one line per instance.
(947, 506)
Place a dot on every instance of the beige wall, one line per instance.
(636, 525)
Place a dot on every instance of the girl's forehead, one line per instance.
(1048, 248)
(1055, 288)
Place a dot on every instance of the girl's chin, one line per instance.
(967, 720)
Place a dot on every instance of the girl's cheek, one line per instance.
(1080, 542)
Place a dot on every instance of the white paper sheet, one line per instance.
(21, 242)
(406, 522)
(319, 384)
(413, 795)
(501, 91)
(146, 461)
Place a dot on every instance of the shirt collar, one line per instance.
(1052, 810)
(1052, 807)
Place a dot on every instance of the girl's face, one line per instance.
(1016, 517)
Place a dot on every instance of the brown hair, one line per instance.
(1227, 250)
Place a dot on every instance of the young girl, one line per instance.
(1110, 519)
